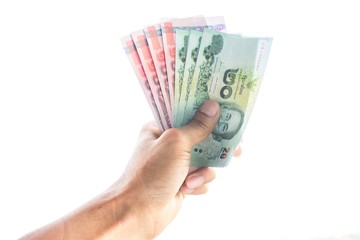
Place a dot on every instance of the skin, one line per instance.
(151, 191)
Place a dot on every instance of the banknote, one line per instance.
(169, 51)
(185, 70)
(224, 72)
(154, 38)
(131, 52)
(262, 57)
(182, 62)
(151, 75)
(168, 28)
(193, 45)
(182, 37)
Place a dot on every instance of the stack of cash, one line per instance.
(181, 63)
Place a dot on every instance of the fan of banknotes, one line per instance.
(182, 62)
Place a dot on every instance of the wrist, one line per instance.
(128, 212)
(111, 215)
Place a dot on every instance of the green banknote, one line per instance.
(263, 52)
(226, 72)
(191, 57)
(182, 37)
(202, 63)
(182, 52)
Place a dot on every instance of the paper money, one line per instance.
(224, 72)
(168, 32)
(181, 63)
(151, 75)
(182, 37)
(185, 65)
(130, 50)
(189, 68)
(262, 57)
(154, 37)
(169, 51)
(191, 58)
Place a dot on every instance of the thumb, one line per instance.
(203, 122)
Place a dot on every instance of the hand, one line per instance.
(158, 171)
(150, 192)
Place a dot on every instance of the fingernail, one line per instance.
(210, 108)
(195, 182)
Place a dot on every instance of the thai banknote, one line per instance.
(143, 50)
(181, 51)
(181, 63)
(154, 38)
(182, 37)
(226, 72)
(168, 28)
(131, 52)
(193, 45)
(262, 57)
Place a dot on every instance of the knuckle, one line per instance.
(173, 136)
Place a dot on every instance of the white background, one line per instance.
(71, 110)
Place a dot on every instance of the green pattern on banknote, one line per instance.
(182, 59)
(224, 72)
(191, 58)
(194, 55)
(182, 37)
(206, 67)
(202, 63)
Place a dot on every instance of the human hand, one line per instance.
(150, 192)
(157, 175)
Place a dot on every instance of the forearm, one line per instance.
(112, 215)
